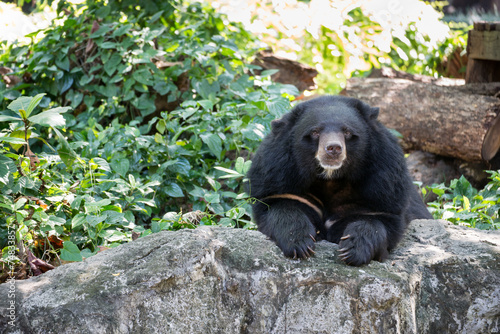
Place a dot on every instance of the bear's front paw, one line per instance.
(362, 242)
(297, 247)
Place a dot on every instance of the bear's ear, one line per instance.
(373, 114)
(277, 126)
(367, 111)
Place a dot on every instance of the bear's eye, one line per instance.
(347, 134)
(314, 134)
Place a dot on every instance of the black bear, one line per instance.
(330, 170)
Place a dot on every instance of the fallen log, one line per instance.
(445, 120)
(290, 72)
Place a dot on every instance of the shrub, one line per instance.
(117, 165)
(462, 204)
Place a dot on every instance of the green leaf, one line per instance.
(278, 107)
(67, 154)
(110, 65)
(20, 203)
(206, 104)
(78, 220)
(19, 134)
(288, 89)
(101, 31)
(132, 181)
(63, 63)
(85, 253)
(178, 166)
(238, 165)
(143, 76)
(70, 252)
(230, 174)
(7, 167)
(13, 140)
(120, 166)
(51, 117)
(396, 133)
(75, 97)
(207, 90)
(253, 131)
(4, 118)
(103, 11)
(102, 164)
(85, 79)
(25, 182)
(212, 198)
(33, 103)
(57, 220)
(65, 84)
(214, 143)
(268, 73)
(108, 45)
(246, 167)
(122, 30)
(173, 190)
(22, 102)
(155, 17)
(466, 203)
(227, 170)
(161, 126)
(94, 206)
(215, 185)
(111, 235)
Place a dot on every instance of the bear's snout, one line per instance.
(334, 150)
(331, 151)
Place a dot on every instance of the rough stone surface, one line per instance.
(441, 279)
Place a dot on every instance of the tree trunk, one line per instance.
(449, 121)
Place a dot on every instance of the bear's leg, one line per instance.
(289, 224)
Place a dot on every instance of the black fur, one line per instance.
(367, 202)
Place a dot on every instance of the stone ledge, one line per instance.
(441, 279)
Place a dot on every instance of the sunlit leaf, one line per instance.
(4, 118)
(22, 102)
(13, 140)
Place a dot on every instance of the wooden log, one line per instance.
(448, 121)
(290, 71)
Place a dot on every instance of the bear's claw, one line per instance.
(363, 242)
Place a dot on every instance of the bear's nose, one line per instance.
(333, 149)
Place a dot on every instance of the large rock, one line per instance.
(441, 279)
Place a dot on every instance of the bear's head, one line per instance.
(331, 135)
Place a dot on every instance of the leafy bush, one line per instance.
(462, 204)
(165, 110)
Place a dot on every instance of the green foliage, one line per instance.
(355, 49)
(117, 167)
(462, 204)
